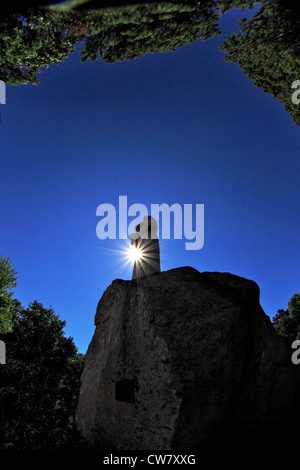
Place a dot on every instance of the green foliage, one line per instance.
(267, 48)
(35, 39)
(7, 283)
(129, 32)
(39, 383)
(268, 52)
(227, 5)
(287, 322)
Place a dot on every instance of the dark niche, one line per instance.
(125, 390)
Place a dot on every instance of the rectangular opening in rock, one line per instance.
(125, 390)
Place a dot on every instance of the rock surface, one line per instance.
(179, 359)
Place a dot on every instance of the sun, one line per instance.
(125, 255)
(134, 253)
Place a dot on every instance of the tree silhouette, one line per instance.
(287, 322)
(268, 51)
(8, 281)
(39, 384)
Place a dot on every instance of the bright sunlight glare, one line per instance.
(134, 253)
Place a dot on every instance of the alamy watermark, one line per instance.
(295, 99)
(295, 356)
(2, 352)
(2, 93)
(184, 225)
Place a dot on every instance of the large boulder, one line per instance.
(179, 359)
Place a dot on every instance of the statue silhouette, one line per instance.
(145, 239)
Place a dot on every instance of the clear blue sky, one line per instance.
(183, 127)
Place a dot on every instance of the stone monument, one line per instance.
(145, 239)
(182, 360)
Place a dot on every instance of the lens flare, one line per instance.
(124, 255)
(134, 253)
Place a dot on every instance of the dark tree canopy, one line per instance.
(39, 384)
(268, 51)
(129, 32)
(267, 48)
(287, 322)
(227, 5)
(8, 281)
(34, 39)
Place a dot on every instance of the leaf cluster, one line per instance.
(36, 39)
(8, 282)
(129, 32)
(287, 322)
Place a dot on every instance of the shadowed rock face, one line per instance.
(180, 359)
